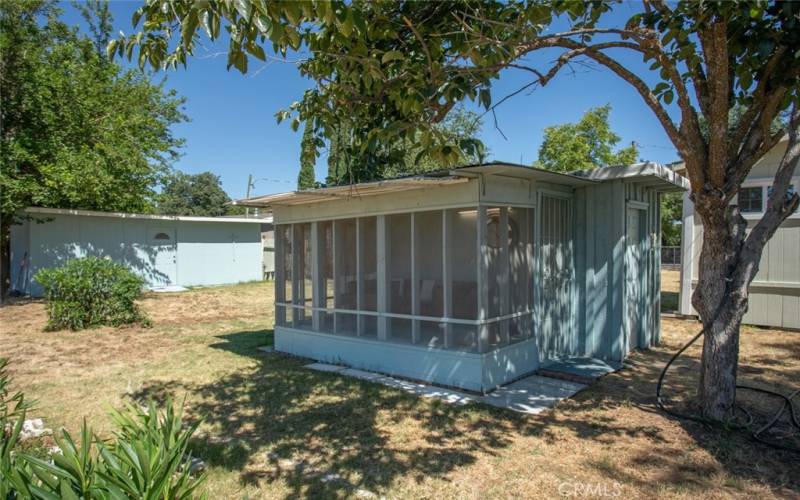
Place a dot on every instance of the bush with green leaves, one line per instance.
(13, 408)
(146, 458)
(90, 292)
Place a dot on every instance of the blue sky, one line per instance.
(233, 131)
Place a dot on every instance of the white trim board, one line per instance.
(123, 215)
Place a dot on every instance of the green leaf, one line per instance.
(392, 55)
(244, 8)
(346, 26)
(257, 51)
(189, 26)
(111, 48)
(486, 98)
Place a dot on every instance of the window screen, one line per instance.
(428, 259)
(302, 276)
(368, 254)
(463, 239)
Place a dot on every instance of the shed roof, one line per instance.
(124, 215)
(656, 174)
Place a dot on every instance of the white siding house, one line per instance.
(775, 291)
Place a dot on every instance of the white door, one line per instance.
(634, 289)
(164, 256)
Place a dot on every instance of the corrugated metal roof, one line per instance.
(463, 174)
(350, 191)
(653, 174)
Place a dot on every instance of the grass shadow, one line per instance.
(323, 434)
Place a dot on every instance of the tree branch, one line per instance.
(714, 43)
(759, 97)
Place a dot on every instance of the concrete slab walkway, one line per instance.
(582, 366)
(531, 395)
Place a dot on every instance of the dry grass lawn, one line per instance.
(264, 414)
(670, 289)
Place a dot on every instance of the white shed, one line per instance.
(164, 250)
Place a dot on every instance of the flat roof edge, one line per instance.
(647, 170)
(125, 215)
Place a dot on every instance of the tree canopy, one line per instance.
(306, 178)
(396, 69)
(394, 158)
(194, 194)
(78, 131)
(586, 144)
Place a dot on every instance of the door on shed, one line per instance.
(635, 290)
(164, 256)
(555, 264)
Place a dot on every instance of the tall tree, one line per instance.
(77, 130)
(308, 155)
(399, 68)
(671, 214)
(194, 194)
(586, 144)
(400, 156)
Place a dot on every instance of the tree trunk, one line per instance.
(721, 300)
(720, 363)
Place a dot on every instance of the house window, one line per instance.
(161, 236)
(751, 200)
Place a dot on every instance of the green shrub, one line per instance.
(13, 408)
(90, 292)
(147, 458)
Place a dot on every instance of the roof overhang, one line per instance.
(523, 172)
(649, 175)
(350, 191)
(123, 215)
(445, 177)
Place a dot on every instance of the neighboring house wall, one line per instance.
(775, 291)
(185, 253)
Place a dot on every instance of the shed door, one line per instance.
(555, 261)
(634, 277)
(164, 256)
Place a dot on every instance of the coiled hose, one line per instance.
(755, 434)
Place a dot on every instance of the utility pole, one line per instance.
(249, 185)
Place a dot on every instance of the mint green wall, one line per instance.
(207, 253)
(600, 327)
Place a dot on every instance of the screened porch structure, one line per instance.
(456, 278)
(466, 277)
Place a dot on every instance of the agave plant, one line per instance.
(13, 408)
(146, 458)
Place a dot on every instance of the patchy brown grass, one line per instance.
(670, 281)
(264, 414)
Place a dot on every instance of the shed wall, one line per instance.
(600, 264)
(207, 253)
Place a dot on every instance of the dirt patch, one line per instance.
(670, 281)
